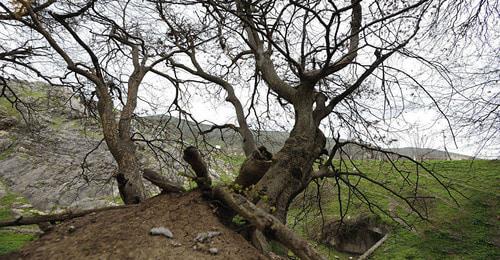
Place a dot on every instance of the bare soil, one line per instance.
(124, 234)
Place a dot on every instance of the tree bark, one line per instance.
(193, 157)
(268, 224)
(263, 221)
(129, 177)
(292, 165)
(161, 182)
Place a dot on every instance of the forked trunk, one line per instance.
(129, 178)
(118, 138)
(289, 173)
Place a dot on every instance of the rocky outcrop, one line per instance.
(41, 159)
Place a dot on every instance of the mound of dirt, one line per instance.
(124, 234)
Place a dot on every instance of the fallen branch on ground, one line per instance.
(373, 248)
(20, 221)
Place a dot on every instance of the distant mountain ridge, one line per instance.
(231, 141)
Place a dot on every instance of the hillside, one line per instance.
(467, 230)
(41, 172)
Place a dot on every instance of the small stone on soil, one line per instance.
(161, 231)
(213, 250)
(176, 244)
(71, 229)
(206, 236)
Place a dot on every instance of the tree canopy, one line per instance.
(314, 68)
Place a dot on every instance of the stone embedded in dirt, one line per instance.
(200, 247)
(176, 244)
(206, 236)
(213, 250)
(71, 229)
(157, 231)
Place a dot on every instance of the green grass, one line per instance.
(7, 108)
(464, 231)
(35, 94)
(7, 202)
(57, 122)
(234, 162)
(6, 153)
(11, 241)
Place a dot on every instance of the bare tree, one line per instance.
(304, 65)
(109, 54)
(305, 54)
(340, 66)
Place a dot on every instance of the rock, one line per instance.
(157, 231)
(176, 244)
(5, 143)
(353, 235)
(7, 122)
(200, 247)
(206, 236)
(45, 226)
(25, 206)
(71, 229)
(213, 250)
(21, 149)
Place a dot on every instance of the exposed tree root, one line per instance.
(267, 223)
(263, 221)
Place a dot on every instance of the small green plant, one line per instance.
(238, 220)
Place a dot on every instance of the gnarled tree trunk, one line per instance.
(129, 177)
(118, 138)
(292, 165)
(289, 174)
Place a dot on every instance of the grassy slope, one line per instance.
(467, 231)
(11, 240)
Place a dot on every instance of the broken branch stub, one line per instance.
(193, 157)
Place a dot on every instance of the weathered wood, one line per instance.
(372, 249)
(193, 157)
(162, 182)
(268, 224)
(20, 221)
